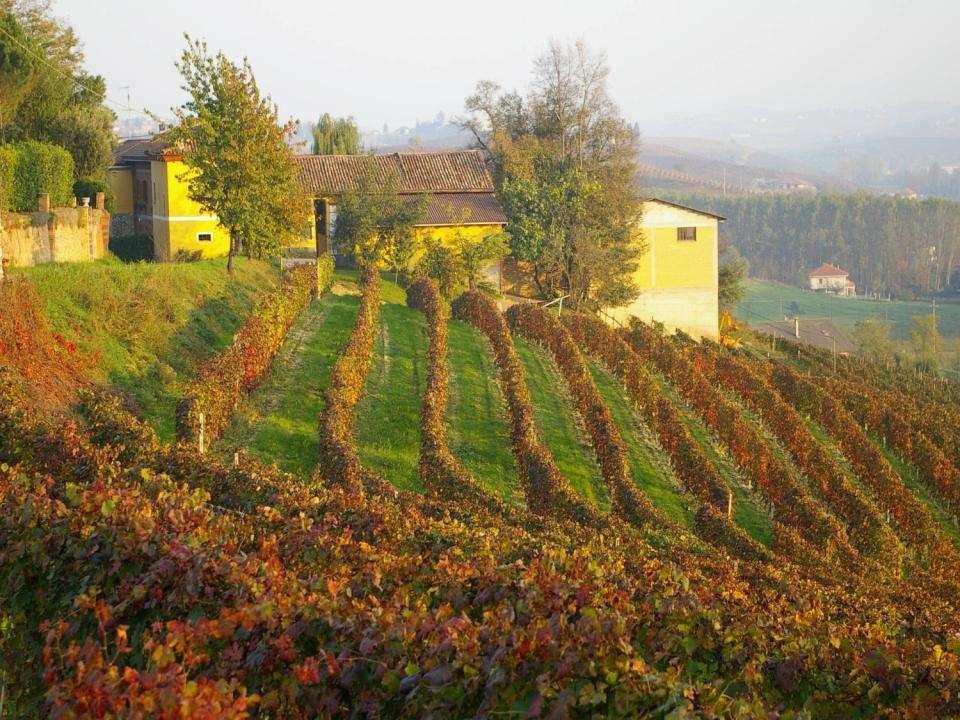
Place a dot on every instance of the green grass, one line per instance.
(649, 465)
(279, 421)
(911, 478)
(477, 427)
(762, 302)
(149, 325)
(748, 509)
(388, 415)
(557, 422)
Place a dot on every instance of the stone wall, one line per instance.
(58, 235)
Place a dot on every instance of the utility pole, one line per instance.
(826, 334)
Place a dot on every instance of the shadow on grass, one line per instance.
(155, 382)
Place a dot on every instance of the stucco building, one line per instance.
(150, 183)
(832, 279)
(459, 190)
(678, 273)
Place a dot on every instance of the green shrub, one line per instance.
(324, 273)
(132, 248)
(30, 168)
(89, 187)
(185, 256)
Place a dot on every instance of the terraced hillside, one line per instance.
(410, 507)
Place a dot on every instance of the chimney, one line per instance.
(796, 327)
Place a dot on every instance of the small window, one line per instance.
(687, 234)
(204, 237)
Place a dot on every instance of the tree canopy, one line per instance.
(336, 136)
(241, 167)
(47, 94)
(565, 163)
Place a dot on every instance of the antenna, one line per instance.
(128, 111)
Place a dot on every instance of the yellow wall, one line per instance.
(447, 235)
(178, 220)
(677, 278)
(672, 263)
(121, 183)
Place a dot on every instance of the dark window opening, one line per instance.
(687, 234)
(204, 237)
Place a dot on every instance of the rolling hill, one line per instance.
(431, 509)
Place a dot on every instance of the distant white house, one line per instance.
(830, 279)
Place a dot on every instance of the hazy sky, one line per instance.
(394, 62)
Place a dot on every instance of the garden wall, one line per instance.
(58, 235)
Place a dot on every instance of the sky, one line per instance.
(394, 63)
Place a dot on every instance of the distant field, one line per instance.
(766, 301)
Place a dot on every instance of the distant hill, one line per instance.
(910, 149)
(726, 166)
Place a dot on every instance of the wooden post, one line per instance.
(43, 202)
(729, 504)
(202, 433)
(236, 459)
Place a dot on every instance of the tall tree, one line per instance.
(565, 162)
(63, 103)
(18, 70)
(872, 337)
(374, 222)
(241, 167)
(926, 342)
(336, 136)
(730, 277)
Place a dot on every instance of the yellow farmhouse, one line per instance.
(678, 273)
(460, 196)
(150, 183)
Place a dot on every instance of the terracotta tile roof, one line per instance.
(828, 270)
(473, 208)
(460, 171)
(139, 149)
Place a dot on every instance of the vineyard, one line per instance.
(378, 503)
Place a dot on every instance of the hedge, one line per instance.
(137, 247)
(440, 471)
(339, 458)
(224, 379)
(88, 187)
(547, 491)
(541, 326)
(30, 168)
